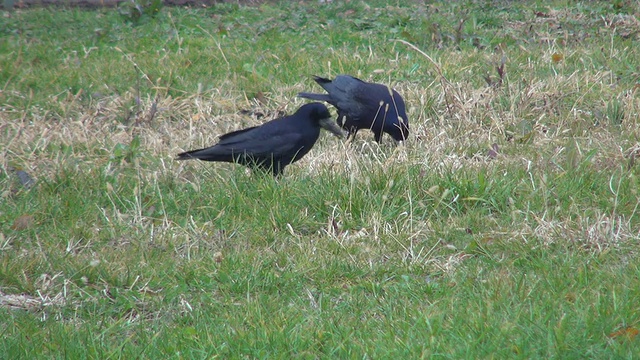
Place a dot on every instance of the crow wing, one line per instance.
(259, 141)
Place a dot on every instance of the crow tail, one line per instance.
(213, 153)
(187, 155)
(321, 80)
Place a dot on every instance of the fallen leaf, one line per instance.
(628, 332)
(557, 57)
(23, 222)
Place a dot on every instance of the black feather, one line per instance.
(363, 105)
(271, 146)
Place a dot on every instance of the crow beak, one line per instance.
(330, 125)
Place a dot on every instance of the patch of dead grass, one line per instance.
(44, 297)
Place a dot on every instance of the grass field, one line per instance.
(507, 226)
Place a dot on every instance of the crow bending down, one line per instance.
(363, 105)
(273, 145)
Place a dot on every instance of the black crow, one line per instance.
(363, 105)
(272, 145)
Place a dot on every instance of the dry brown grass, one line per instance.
(520, 168)
(468, 119)
(521, 112)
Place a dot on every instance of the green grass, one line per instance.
(434, 249)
